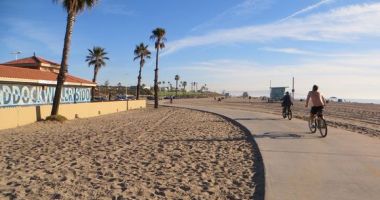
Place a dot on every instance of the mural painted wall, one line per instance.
(17, 95)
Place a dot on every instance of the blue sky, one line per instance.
(235, 45)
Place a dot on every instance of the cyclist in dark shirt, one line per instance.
(286, 102)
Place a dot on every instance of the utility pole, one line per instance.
(293, 88)
(126, 85)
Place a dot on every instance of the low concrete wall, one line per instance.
(19, 116)
(137, 104)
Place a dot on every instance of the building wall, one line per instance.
(11, 117)
(21, 94)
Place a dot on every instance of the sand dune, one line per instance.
(148, 154)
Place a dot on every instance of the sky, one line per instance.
(230, 45)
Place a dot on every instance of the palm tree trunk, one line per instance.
(138, 83)
(96, 69)
(63, 70)
(155, 81)
(176, 87)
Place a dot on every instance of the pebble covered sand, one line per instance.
(164, 153)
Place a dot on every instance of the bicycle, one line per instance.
(287, 113)
(320, 123)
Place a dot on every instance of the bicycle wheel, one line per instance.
(312, 126)
(284, 115)
(290, 116)
(322, 126)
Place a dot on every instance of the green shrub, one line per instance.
(58, 118)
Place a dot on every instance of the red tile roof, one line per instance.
(33, 74)
(31, 60)
(46, 61)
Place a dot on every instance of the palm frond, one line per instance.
(141, 51)
(97, 57)
(76, 6)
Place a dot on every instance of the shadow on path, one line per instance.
(257, 119)
(288, 135)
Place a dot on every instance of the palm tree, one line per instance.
(142, 52)
(170, 86)
(176, 78)
(184, 84)
(72, 7)
(96, 57)
(158, 35)
(159, 83)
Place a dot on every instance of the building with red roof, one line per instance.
(32, 80)
(36, 70)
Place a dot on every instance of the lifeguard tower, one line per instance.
(276, 93)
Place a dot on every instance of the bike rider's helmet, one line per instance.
(287, 93)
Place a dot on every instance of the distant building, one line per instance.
(276, 93)
(31, 81)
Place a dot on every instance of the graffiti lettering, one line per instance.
(14, 95)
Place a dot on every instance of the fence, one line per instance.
(11, 117)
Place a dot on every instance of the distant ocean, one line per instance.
(375, 101)
(258, 93)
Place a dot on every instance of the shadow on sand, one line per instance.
(207, 140)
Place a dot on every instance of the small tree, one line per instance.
(96, 57)
(141, 52)
(106, 88)
(176, 78)
(158, 35)
(245, 95)
(106, 83)
(119, 87)
(184, 84)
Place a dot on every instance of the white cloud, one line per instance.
(345, 24)
(248, 6)
(35, 31)
(297, 51)
(244, 8)
(353, 77)
(308, 9)
(116, 9)
(288, 51)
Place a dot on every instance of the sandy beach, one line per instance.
(166, 153)
(363, 118)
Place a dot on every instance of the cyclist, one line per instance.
(286, 103)
(317, 100)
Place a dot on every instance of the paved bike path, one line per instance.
(301, 165)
